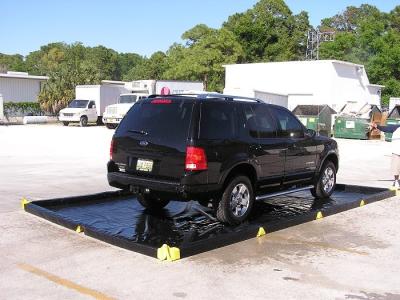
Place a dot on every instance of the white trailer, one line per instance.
(293, 83)
(143, 88)
(89, 103)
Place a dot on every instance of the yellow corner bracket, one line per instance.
(261, 232)
(79, 229)
(24, 202)
(396, 190)
(319, 216)
(168, 253)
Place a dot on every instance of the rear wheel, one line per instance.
(326, 183)
(83, 121)
(236, 201)
(65, 123)
(151, 201)
(111, 126)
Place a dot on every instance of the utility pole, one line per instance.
(314, 40)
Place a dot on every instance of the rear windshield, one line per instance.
(165, 122)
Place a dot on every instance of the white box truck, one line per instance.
(141, 89)
(89, 103)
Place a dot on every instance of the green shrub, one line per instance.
(20, 109)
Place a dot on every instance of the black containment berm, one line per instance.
(183, 229)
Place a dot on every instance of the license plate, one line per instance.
(144, 165)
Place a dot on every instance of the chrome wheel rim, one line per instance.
(240, 200)
(328, 180)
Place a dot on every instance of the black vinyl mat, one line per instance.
(119, 219)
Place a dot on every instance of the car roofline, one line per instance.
(203, 96)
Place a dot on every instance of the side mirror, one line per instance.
(94, 106)
(310, 133)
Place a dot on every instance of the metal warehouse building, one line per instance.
(293, 83)
(20, 87)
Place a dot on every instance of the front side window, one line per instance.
(91, 104)
(218, 121)
(289, 125)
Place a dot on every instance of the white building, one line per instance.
(1, 108)
(20, 86)
(292, 83)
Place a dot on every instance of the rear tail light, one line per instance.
(113, 148)
(161, 101)
(196, 159)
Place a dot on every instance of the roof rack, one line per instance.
(210, 95)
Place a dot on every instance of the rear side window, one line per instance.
(289, 125)
(258, 121)
(162, 121)
(218, 121)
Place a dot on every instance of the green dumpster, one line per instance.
(316, 117)
(392, 119)
(355, 125)
(349, 127)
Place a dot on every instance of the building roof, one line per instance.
(305, 62)
(22, 75)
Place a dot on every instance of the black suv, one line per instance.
(219, 149)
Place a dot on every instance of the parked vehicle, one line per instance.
(89, 105)
(115, 112)
(143, 88)
(225, 150)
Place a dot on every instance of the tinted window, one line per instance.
(165, 123)
(258, 121)
(91, 104)
(218, 121)
(289, 125)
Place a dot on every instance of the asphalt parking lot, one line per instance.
(351, 255)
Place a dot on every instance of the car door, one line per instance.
(266, 148)
(92, 112)
(301, 153)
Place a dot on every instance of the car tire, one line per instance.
(326, 182)
(111, 126)
(83, 121)
(153, 202)
(65, 123)
(236, 202)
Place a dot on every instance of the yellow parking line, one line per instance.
(64, 282)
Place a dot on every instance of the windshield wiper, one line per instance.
(139, 131)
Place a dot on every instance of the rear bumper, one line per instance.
(182, 191)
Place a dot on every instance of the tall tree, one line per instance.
(270, 32)
(204, 55)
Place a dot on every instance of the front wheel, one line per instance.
(152, 201)
(83, 121)
(236, 201)
(326, 182)
(111, 126)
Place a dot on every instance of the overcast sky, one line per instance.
(142, 27)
